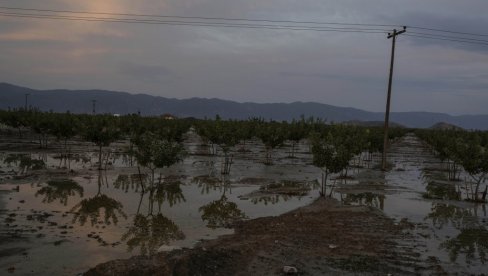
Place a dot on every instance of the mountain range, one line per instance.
(80, 101)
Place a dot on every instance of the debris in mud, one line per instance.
(290, 270)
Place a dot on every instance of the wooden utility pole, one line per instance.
(94, 102)
(25, 105)
(387, 113)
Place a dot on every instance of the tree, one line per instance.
(101, 130)
(153, 152)
(272, 135)
(297, 131)
(331, 155)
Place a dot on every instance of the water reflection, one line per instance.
(149, 232)
(60, 189)
(91, 208)
(443, 214)
(270, 199)
(471, 236)
(368, 199)
(170, 192)
(130, 182)
(439, 190)
(66, 158)
(24, 162)
(471, 242)
(209, 183)
(221, 212)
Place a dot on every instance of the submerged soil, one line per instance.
(324, 237)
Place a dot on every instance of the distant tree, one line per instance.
(102, 130)
(273, 135)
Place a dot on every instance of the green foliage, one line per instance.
(468, 149)
(101, 130)
(273, 135)
(153, 152)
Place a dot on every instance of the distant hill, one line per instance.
(80, 101)
(445, 126)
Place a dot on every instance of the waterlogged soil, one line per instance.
(321, 238)
(69, 216)
(259, 219)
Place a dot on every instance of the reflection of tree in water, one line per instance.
(24, 162)
(472, 238)
(270, 199)
(60, 189)
(473, 242)
(149, 232)
(130, 182)
(221, 212)
(91, 208)
(442, 214)
(169, 192)
(209, 183)
(439, 190)
(368, 199)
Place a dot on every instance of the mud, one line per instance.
(322, 238)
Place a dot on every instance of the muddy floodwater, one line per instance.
(69, 217)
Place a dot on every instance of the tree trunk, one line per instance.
(484, 193)
(100, 158)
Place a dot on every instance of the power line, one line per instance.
(238, 23)
(199, 17)
(193, 23)
(450, 37)
(446, 31)
(445, 39)
(154, 21)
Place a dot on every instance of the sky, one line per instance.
(257, 65)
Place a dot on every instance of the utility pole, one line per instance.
(25, 106)
(94, 102)
(387, 113)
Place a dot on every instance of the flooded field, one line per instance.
(72, 216)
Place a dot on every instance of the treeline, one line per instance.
(155, 142)
(460, 150)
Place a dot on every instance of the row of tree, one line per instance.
(157, 143)
(462, 150)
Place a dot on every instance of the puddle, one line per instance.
(450, 232)
(63, 222)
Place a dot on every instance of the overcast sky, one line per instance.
(344, 69)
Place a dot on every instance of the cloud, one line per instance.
(146, 72)
(345, 69)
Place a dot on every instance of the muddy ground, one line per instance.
(379, 223)
(322, 238)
